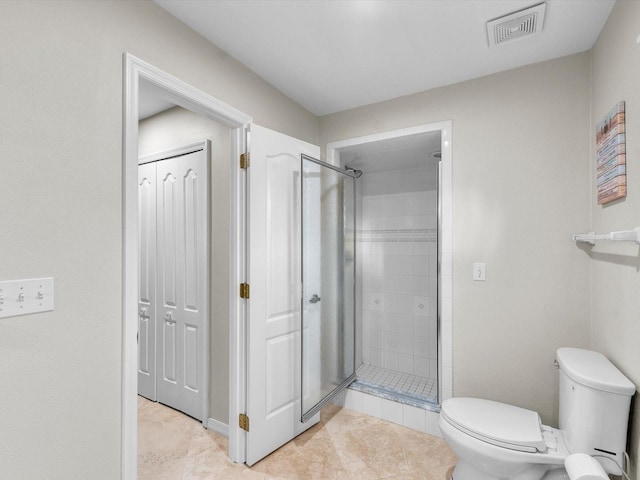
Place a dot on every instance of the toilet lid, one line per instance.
(496, 423)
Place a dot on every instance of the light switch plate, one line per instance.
(22, 297)
(479, 273)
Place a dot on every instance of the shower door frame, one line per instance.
(345, 383)
(445, 240)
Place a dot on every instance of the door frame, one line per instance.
(445, 238)
(190, 98)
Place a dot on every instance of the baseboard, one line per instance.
(218, 427)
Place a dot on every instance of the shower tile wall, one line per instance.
(397, 267)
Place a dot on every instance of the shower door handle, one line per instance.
(315, 298)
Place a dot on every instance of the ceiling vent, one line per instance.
(521, 24)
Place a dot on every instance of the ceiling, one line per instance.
(331, 56)
(152, 100)
(399, 153)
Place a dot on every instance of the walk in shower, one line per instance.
(396, 278)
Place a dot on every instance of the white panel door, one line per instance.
(147, 281)
(274, 347)
(182, 281)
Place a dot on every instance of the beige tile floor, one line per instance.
(345, 445)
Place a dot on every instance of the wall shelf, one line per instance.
(621, 236)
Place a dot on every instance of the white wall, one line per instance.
(520, 176)
(171, 129)
(615, 269)
(61, 72)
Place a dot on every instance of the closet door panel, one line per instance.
(193, 277)
(168, 215)
(147, 281)
(168, 196)
(183, 276)
(191, 358)
(169, 362)
(192, 227)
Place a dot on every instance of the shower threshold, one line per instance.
(404, 388)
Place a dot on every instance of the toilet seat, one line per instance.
(496, 423)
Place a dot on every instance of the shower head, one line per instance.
(353, 171)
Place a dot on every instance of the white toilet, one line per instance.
(495, 441)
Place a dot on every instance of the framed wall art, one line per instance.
(611, 163)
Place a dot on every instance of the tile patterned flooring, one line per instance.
(345, 445)
(421, 388)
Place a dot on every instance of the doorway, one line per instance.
(404, 312)
(176, 92)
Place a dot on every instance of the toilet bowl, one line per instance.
(496, 441)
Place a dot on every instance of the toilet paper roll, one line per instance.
(580, 466)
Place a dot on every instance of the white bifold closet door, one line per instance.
(174, 291)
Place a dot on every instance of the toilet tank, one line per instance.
(594, 406)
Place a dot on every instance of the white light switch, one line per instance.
(479, 272)
(21, 297)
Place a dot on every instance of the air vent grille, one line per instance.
(516, 25)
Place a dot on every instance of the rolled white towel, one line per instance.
(581, 466)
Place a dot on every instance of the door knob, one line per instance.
(143, 312)
(168, 316)
(315, 298)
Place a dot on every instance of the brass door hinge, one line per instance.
(244, 422)
(244, 160)
(244, 290)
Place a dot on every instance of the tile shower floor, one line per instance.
(406, 384)
(345, 445)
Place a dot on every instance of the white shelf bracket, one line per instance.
(621, 236)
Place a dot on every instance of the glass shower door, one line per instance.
(328, 277)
